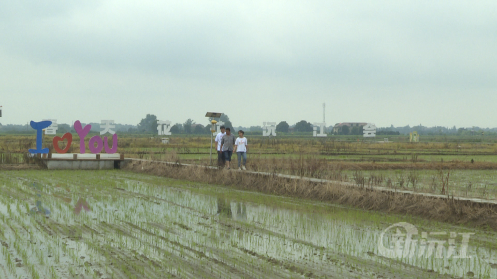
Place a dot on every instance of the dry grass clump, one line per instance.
(446, 210)
(5, 167)
(321, 168)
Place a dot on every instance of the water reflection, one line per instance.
(37, 186)
(241, 211)
(40, 209)
(60, 194)
(231, 209)
(80, 205)
(223, 207)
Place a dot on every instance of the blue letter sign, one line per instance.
(39, 126)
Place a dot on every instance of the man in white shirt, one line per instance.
(241, 149)
(219, 137)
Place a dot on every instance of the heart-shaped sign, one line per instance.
(56, 140)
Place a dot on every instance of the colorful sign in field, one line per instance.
(96, 143)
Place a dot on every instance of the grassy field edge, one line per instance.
(444, 210)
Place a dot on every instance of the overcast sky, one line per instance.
(385, 62)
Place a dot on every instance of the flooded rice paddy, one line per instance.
(461, 183)
(116, 224)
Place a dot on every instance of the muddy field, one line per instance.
(117, 224)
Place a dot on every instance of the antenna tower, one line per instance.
(324, 118)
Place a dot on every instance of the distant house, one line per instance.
(338, 126)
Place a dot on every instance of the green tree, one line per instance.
(176, 128)
(63, 128)
(199, 129)
(225, 119)
(345, 130)
(207, 129)
(255, 129)
(303, 126)
(282, 127)
(148, 124)
(187, 126)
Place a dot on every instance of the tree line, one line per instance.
(148, 125)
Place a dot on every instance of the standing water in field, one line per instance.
(111, 223)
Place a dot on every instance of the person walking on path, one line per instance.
(227, 144)
(220, 156)
(241, 150)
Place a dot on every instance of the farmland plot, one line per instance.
(116, 224)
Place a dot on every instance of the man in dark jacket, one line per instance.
(227, 145)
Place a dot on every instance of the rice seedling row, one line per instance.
(116, 224)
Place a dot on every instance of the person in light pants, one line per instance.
(220, 155)
(241, 150)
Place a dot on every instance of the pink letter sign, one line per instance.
(82, 133)
(114, 145)
(98, 141)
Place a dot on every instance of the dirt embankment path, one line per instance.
(434, 208)
(451, 165)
